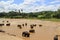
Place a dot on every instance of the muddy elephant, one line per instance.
(56, 37)
(2, 31)
(8, 24)
(25, 24)
(1, 24)
(25, 34)
(19, 26)
(34, 24)
(32, 31)
(40, 25)
(31, 26)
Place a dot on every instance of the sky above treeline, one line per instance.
(29, 5)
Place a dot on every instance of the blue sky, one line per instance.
(18, 1)
(15, 1)
(29, 5)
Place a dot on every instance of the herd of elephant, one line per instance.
(25, 33)
(2, 24)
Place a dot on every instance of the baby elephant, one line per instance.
(26, 34)
(25, 24)
(31, 26)
(7, 21)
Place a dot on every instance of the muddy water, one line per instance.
(46, 32)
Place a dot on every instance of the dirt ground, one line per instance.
(47, 32)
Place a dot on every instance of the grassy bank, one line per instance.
(55, 20)
(50, 19)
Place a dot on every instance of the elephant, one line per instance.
(34, 24)
(25, 24)
(40, 25)
(56, 37)
(31, 26)
(32, 31)
(2, 31)
(8, 24)
(19, 26)
(1, 24)
(25, 34)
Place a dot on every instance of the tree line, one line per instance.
(38, 15)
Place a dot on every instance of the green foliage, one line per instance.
(38, 15)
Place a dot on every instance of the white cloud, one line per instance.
(56, 1)
(28, 5)
(44, 8)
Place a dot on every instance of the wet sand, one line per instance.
(4, 36)
(47, 32)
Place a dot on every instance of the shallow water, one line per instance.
(46, 32)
